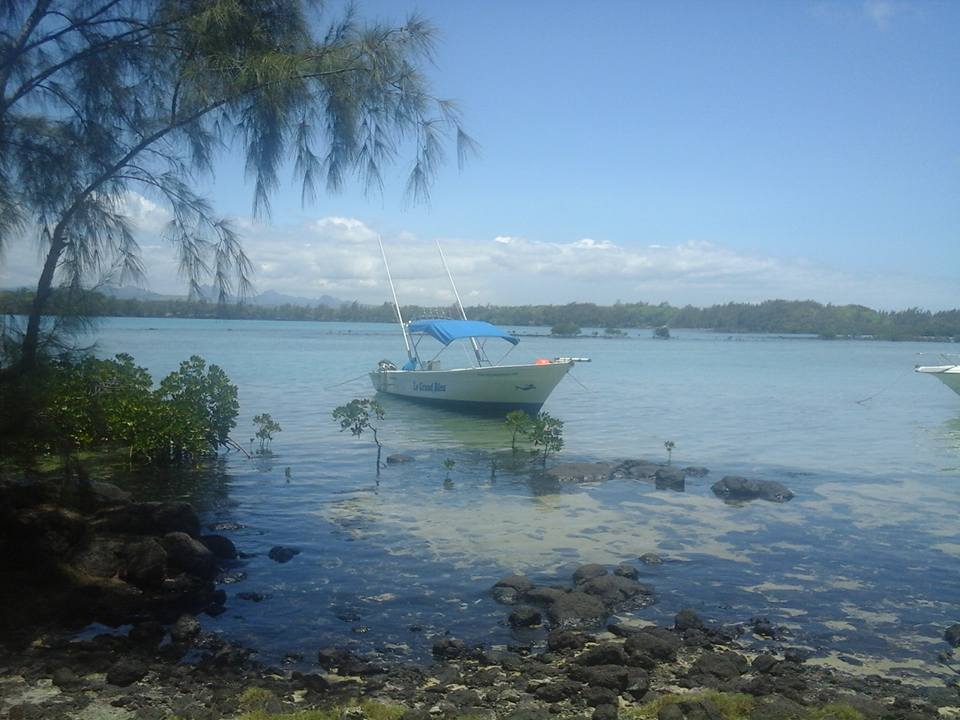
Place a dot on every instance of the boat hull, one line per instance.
(949, 375)
(487, 389)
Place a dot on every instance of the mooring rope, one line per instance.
(882, 390)
(346, 382)
(574, 378)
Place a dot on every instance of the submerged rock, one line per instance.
(637, 469)
(952, 635)
(736, 488)
(398, 458)
(587, 572)
(520, 583)
(281, 554)
(580, 472)
(614, 589)
(525, 616)
(220, 546)
(669, 478)
(688, 619)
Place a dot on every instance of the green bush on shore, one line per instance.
(69, 406)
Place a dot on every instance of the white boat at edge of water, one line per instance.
(488, 387)
(485, 387)
(949, 375)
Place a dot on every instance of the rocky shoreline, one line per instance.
(86, 552)
(689, 671)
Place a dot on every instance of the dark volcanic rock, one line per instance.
(151, 518)
(639, 469)
(525, 616)
(102, 557)
(605, 654)
(613, 677)
(222, 547)
(189, 555)
(558, 690)
(579, 472)
(720, 665)
(505, 595)
(560, 640)
(639, 685)
(398, 458)
(661, 647)
(763, 663)
(520, 583)
(651, 559)
(764, 628)
(736, 489)
(627, 571)
(607, 711)
(576, 607)
(688, 619)
(952, 635)
(281, 554)
(544, 595)
(697, 472)
(614, 589)
(588, 572)
(185, 630)
(44, 531)
(146, 563)
(691, 710)
(449, 648)
(126, 671)
(670, 478)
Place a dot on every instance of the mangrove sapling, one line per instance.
(669, 445)
(519, 423)
(448, 464)
(266, 427)
(355, 416)
(546, 432)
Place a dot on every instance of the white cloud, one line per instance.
(339, 256)
(144, 214)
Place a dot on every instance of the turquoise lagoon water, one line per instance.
(862, 567)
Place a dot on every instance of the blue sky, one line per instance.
(693, 152)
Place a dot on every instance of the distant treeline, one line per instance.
(772, 316)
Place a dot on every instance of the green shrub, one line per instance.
(92, 404)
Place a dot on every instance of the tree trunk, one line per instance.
(31, 339)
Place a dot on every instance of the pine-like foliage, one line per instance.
(100, 99)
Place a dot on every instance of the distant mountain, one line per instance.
(132, 293)
(272, 298)
(268, 298)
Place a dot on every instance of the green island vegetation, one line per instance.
(772, 316)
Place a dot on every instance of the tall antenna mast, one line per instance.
(396, 303)
(473, 340)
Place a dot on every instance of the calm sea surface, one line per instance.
(862, 566)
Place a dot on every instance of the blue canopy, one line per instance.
(446, 331)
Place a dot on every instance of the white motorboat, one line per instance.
(949, 375)
(484, 386)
